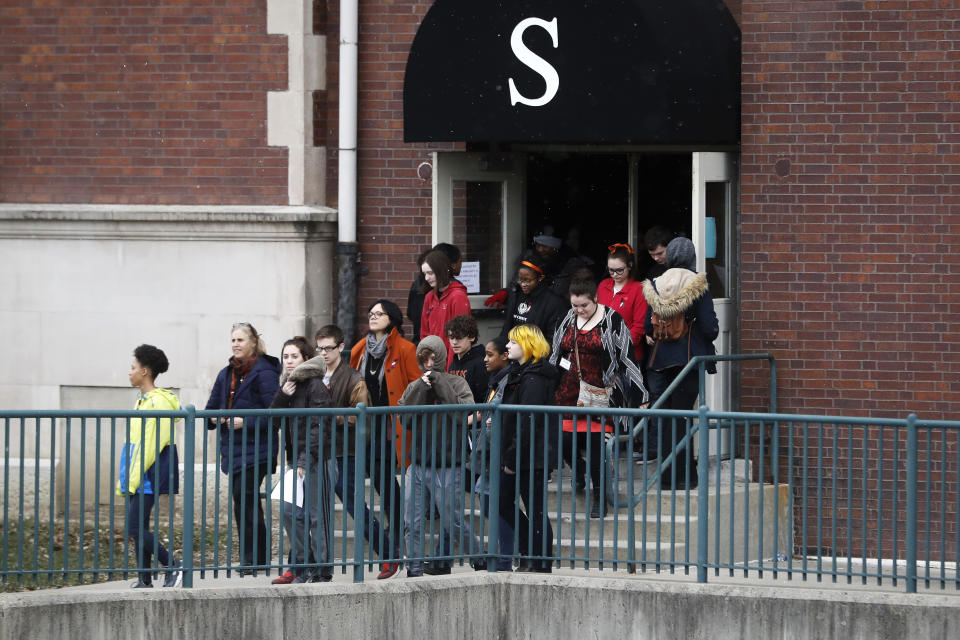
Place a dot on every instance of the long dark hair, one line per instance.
(302, 344)
(439, 263)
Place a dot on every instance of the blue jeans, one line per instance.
(138, 528)
(444, 487)
(505, 537)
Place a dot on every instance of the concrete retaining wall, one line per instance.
(482, 606)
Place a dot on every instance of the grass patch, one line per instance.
(45, 556)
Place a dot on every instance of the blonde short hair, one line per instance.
(252, 334)
(530, 338)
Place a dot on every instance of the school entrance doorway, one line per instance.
(600, 123)
(491, 204)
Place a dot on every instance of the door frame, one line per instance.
(719, 167)
(509, 169)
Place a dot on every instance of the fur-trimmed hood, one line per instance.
(315, 367)
(674, 292)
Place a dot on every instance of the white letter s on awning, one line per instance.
(535, 62)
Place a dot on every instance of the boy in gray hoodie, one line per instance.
(437, 451)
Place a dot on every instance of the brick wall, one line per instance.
(851, 163)
(146, 102)
(393, 202)
(849, 237)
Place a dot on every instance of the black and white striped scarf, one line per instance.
(622, 371)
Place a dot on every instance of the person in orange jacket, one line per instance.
(388, 363)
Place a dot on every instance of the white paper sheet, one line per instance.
(470, 276)
(292, 485)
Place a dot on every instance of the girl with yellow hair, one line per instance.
(528, 446)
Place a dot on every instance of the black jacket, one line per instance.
(529, 384)
(472, 368)
(305, 440)
(542, 307)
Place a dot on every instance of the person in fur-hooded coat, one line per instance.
(302, 438)
(679, 290)
(308, 447)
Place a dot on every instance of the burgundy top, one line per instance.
(590, 346)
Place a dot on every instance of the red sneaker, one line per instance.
(286, 578)
(388, 570)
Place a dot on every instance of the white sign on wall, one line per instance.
(470, 276)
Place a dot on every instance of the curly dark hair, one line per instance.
(152, 358)
(462, 326)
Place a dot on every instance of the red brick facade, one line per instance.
(393, 202)
(850, 171)
(850, 162)
(149, 103)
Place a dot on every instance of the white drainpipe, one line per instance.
(347, 171)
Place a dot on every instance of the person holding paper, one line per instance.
(307, 446)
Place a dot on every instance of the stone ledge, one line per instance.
(171, 223)
(483, 606)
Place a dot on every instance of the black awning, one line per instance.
(627, 71)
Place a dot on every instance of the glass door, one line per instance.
(714, 236)
(478, 206)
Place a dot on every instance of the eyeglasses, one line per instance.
(617, 272)
(241, 325)
(376, 315)
(521, 281)
(325, 349)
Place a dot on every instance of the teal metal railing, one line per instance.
(814, 497)
(698, 364)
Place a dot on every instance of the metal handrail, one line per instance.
(640, 430)
(911, 483)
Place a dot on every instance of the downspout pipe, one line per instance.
(347, 248)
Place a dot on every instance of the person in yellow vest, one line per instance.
(149, 465)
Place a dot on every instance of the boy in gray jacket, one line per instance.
(437, 451)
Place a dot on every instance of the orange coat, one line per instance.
(401, 369)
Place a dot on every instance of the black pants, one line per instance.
(138, 528)
(578, 445)
(672, 431)
(248, 511)
(533, 527)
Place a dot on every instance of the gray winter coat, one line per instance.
(439, 439)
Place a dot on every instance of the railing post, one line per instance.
(912, 503)
(493, 486)
(189, 455)
(359, 514)
(703, 475)
(773, 384)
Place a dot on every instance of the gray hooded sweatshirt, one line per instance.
(439, 439)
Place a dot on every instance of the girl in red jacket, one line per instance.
(446, 299)
(622, 293)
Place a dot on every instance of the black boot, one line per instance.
(598, 508)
